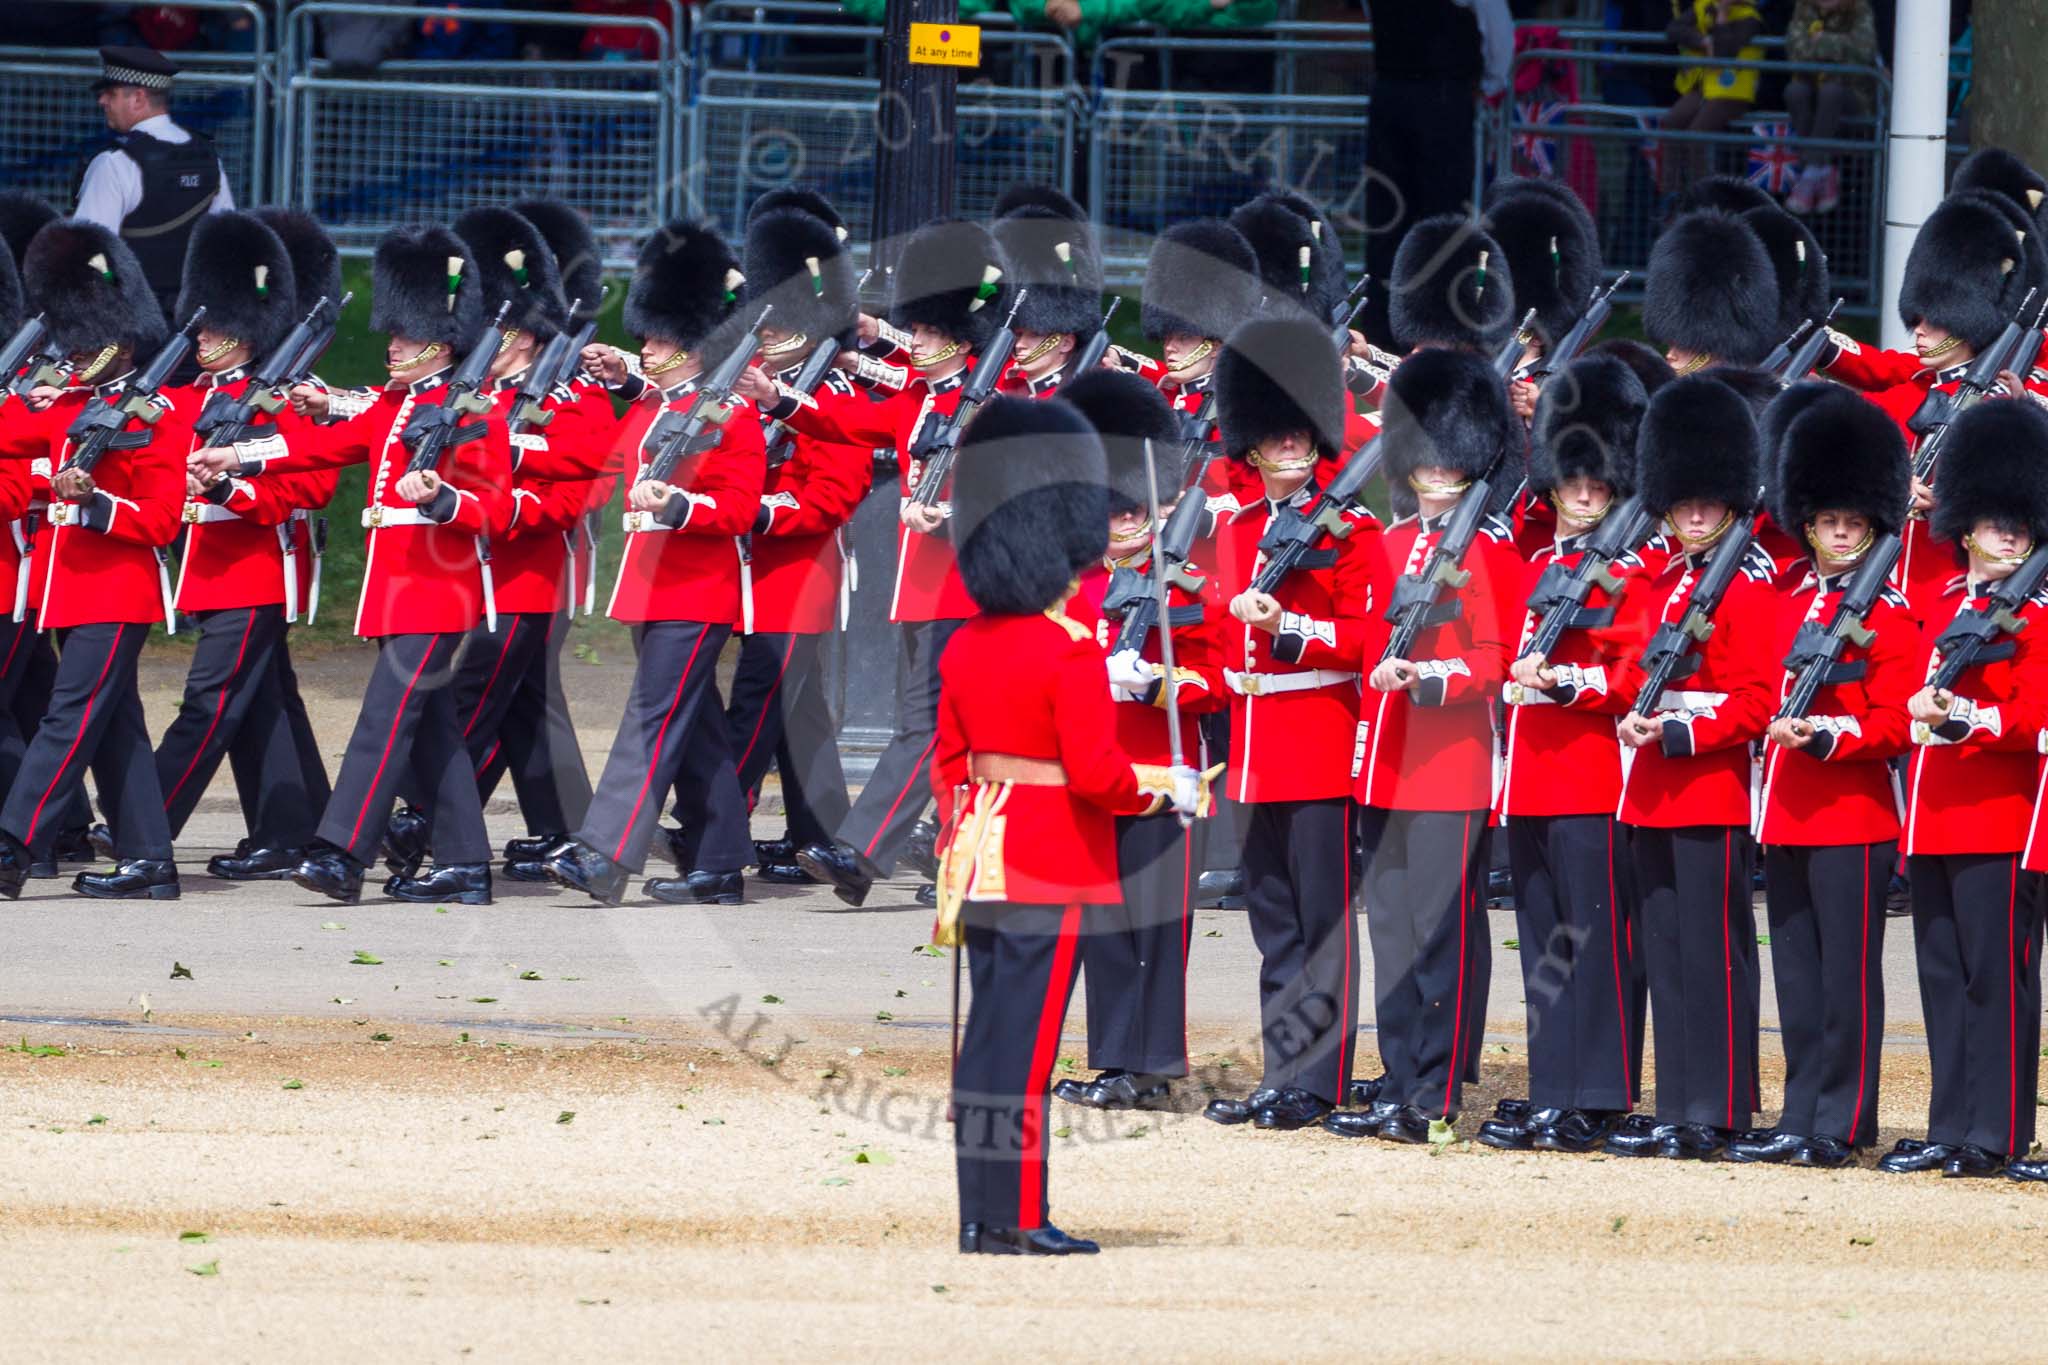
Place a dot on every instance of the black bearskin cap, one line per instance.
(410, 284)
(1329, 284)
(685, 286)
(1650, 367)
(1127, 411)
(1277, 375)
(514, 263)
(22, 216)
(241, 273)
(1799, 264)
(1992, 470)
(1447, 408)
(1698, 440)
(12, 303)
(1201, 280)
(1050, 198)
(578, 257)
(1292, 267)
(1552, 247)
(782, 245)
(1841, 452)
(2000, 172)
(1966, 272)
(1030, 503)
(316, 263)
(1775, 416)
(89, 288)
(1452, 285)
(1711, 290)
(1065, 295)
(1724, 194)
(804, 201)
(953, 278)
(1586, 422)
(2034, 263)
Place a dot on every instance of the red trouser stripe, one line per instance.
(1187, 903)
(1458, 1014)
(1614, 955)
(220, 703)
(923, 759)
(1031, 1173)
(1346, 1036)
(2012, 1013)
(682, 681)
(1728, 962)
(1863, 1006)
(85, 718)
(21, 631)
(511, 629)
(397, 715)
(762, 719)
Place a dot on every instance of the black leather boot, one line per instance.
(331, 871)
(131, 879)
(251, 864)
(463, 883)
(842, 867)
(699, 888)
(580, 867)
(405, 841)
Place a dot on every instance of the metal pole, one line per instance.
(914, 127)
(1916, 158)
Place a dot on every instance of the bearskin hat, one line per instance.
(425, 287)
(316, 264)
(1553, 253)
(1447, 408)
(1055, 258)
(1651, 368)
(241, 273)
(1292, 267)
(1030, 503)
(1711, 289)
(514, 263)
(2033, 251)
(1991, 470)
(1452, 285)
(89, 288)
(1277, 375)
(1775, 416)
(685, 285)
(1028, 194)
(1698, 440)
(1127, 411)
(1724, 194)
(1586, 423)
(22, 216)
(12, 303)
(803, 200)
(797, 263)
(1329, 283)
(1201, 280)
(953, 278)
(1799, 264)
(2000, 172)
(1966, 272)
(578, 256)
(1841, 452)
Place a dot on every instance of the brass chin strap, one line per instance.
(1437, 490)
(1194, 357)
(1720, 529)
(1259, 460)
(785, 347)
(936, 358)
(98, 363)
(1696, 364)
(228, 344)
(675, 359)
(1590, 519)
(424, 356)
(1861, 548)
(1941, 348)
(506, 339)
(1040, 349)
(1970, 544)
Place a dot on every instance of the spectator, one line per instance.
(1841, 31)
(621, 42)
(1087, 20)
(357, 44)
(873, 11)
(166, 28)
(1709, 97)
(448, 37)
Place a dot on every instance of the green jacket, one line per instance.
(1181, 16)
(871, 11)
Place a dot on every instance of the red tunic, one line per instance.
(530, 562)
(1197, 660)
(799, 569)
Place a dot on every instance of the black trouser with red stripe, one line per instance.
(407, 725)
(1699, 948)
(1826, 909)
(94, 720)
(672, 734)
(780, 714)
(1571, 919)
(233, 664)
(535, 741)
(280, 774)
(28, 676)
(1136, 953)
(901, 784)
(1021, 961)
(1297, 865)
(1977, 944)
(1425, 910)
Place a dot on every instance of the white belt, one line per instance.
(1674, 700)
(638, 523)
(374, 517)
(1266, 684)
(199, 513)
(19, 530)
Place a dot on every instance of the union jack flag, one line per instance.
(1773, 165)
(1536, 154)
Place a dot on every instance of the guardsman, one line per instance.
(1686, 786)
(1971, 811)
(1829, 822)
(98, 578)
(17, 632)
(681, 587)
(1998, 171)
(1710, 296)
(1050, 245)
(1031, 778)
(1291, 661)
(1561, 780)
(1295, 268)
(1136, 952)
(781, 715)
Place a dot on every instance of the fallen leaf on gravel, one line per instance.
(938, 1289)
(180, 972)
(1764, 940)
(380, 1037)
(330, 924)
(343, 999)
(364, 958)
(209, 1062)
(39, 1050)
(866, 1156)
(1213, 933)
(1066, 1063)
(444, 962)
(771, 999)
(903, 995)
(483, 1000)
(1862, 1241)
(883, 1016)
(895, 1071)
(1511, 943)
(1137, 1132)
(835, 1180)
(294, 1084)
(829, 1073)
(206, 1270)
(566, 1116)
(929, 950)
(440, 909)
(193, 1237)
(1441, 1134)
(714, 1123)
(529, 975)
(1062, 1132)
(1619, 1222)
(96, 1120)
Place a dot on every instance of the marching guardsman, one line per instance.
(1828, 822)
(1030, 775)
(17, 632)
(780, 714)
(952, 294)
(1971, 810)
(681, 587)
(241, 574)
(1050, 246)
(1997, 171)
(1686, 786)
(425, 583)
(1452, 287)
(1710, 294)
(98, 578)
(1291, 661)
(1426, 738)
(1295, 266)
(1561, 778)
(1136, 952)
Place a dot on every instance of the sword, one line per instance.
(1159, 591)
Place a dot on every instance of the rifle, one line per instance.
(1817, 647)
(1976, 627)
(550, 370)
(1296, 529)
(1195, 434)
(1130, 595)
(674, 435)
(1347, 313)
(1089, 357)
(1938, 411)
(226, 419)
(941, 447)
(103, 426)
(1415, 594)
(1672, 653)
(1509, 358)
(1169, 680)
(816, 365)
(437, 428)
(24, 356)
(1598, 309)
(1561, 591)
(1809, 338)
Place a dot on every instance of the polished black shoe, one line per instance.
(535, 849)
(405, 841)
(927, 895)
(1516, 1130)
(1971, 1161)
(582, 868)
(99, 843)
(14, 865)
(677, 844)
(2034, 1168)
(462, 883)
(1220, 891)
(1824, 1153)
(1364, 1094)
(1513, 1110)
(247, 864)
(1358, 1123)
(1767, 1148)
(1231, 1112)
(331, 871)
(1637, 1135)
(533, 872)
(699, 888)
(768, 851)
(1406, 1124)
(1289, 1110)
(1693, 1142)
(1910, 1156)
(131, 879)
(920, 851)
(842, 867)
(1500, 889)
(1073, 1087)
(1124, 1090)
(785, 873)
(1898, 898)
(983, 1240)
(1577, 1131)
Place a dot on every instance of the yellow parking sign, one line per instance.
(945, 44)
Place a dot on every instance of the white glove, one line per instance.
(1130, 676)
(1187, 791)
